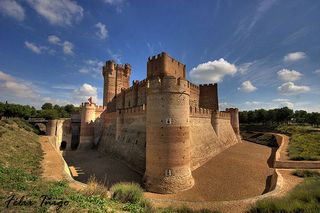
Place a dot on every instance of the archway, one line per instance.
(63, 145)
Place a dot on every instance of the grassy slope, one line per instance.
(303, 198)
(304, 140)
(20, 175)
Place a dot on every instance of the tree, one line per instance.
(69, 108)
(46, 106)
(300, 116)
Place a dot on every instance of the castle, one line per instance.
(164, 127)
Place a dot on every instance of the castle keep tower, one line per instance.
(116, 77)
(168, 151)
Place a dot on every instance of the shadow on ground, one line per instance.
(108, 170)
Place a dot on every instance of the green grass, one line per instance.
(304, 142)
(303, 198)
(127, 192)
(20, 175)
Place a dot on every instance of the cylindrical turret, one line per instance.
(168, 151)
(109, 85)
(51, 127)
(88, 116)
(234, 114)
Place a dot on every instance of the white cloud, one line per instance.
(102, 32)
(114, 56)
(37, 48)
(33, 47)
(84, 92)
(11, 86)
(243, 68)
(250, 103)
(5, 77)
(54, 39)
(317, 71)
(212, 71)
(13, 9)
(118, 4)
(58, 12)
(280, 100)
(92, 67)
(289, 75)
(247, 87)
(68, 48)
(283, 102)
(290, 88)
(295, 56)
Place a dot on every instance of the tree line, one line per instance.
(280, 115)
(47, 111)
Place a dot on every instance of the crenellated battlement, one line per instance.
(200, 112)
(208, 85)
(132, 110)
(164, 65)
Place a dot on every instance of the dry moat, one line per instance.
(242, 171)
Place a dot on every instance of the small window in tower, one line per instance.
(168, 121)
(168, 172)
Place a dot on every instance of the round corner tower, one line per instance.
(88, 116)
(168, 151)
(109, 85)
(234, 120)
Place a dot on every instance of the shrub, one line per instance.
(127, 192)
(94, 187)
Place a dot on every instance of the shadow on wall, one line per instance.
(271, 180)
(63, 145)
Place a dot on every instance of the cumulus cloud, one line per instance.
(68, 48)
(102, 32)
(53, 39)
(13, 9)
(289, 75)
(212, 71)
(11, 86)
(290, 88)
(295, 56)
(247, 87)
(59, 12)
(84, 92)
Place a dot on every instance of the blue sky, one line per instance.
(263, 53)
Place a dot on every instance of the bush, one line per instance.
(127, 192)
(94, 187)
